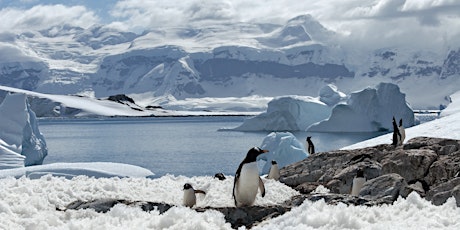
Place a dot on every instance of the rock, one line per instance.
(387, 187)
(420, 165)
(439, 194)
(411, 164)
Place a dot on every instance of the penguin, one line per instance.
(310, 146)
(402, 132)
(189, 195)
(247, 179)
(358, 182)
(219, 176)
(396, 134)
(274, 171)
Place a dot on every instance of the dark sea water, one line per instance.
(189, 146)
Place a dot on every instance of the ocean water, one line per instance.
(189, 146)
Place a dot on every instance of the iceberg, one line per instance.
(369, 110)
(288, 113)
(283, 147)
(21, 143)
(330, 95)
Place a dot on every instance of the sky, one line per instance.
(432, 23)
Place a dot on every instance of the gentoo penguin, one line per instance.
(358, 182)
(219, 176)
(247, 179)
(274, 171)
(396, 134)
(189, 195)
(402, 132)
(310, 146)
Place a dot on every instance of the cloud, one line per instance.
(45, 16)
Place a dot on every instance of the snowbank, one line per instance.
(284, 148)
(287, 113)
(19, 134)
(70, 170)
(369, 110)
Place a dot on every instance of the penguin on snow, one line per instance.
(402, 132)
(310, 146)
(247, 179)
(189, 195)
(274, 171)
(358, 182)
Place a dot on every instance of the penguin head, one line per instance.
(308, 138)
(274, 163)
(253, 153)
(187, 186)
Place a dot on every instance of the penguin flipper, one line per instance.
(237, 177)
(261, 187)
(200, 191)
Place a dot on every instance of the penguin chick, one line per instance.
(189, 195)
(274, 171)
(247, 179)
(358, 182)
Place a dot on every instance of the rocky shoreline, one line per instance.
(427, 166)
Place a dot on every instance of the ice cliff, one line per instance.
(21, 143)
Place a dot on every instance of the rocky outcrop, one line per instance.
(428, 166)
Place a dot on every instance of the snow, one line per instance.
(21, 143)
(284, 148)
(330, 95)
(29, 196)
(369, 110)
(288, 113)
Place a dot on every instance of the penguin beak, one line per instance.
(263, 151)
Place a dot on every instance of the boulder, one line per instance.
(427, 166)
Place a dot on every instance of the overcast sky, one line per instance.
(430, 23)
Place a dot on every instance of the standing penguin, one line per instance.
(402, 132)
(274, 171)
(396, 134)
(189, 195)
(310, 146)
(247, 179)
(358, 182)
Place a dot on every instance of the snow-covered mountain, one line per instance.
(227, 60)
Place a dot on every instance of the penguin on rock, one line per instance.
(310, 146)
(189, 195)
(358, 182)
(274, 171)
(402, 132)
(247, 180)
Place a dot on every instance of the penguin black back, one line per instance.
(311, 146)
(395, 133)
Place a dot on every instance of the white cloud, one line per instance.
(45, 16)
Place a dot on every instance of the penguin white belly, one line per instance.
(402, 131)
(274, 172)
(247, 184)
(357, 185)
(189, 198)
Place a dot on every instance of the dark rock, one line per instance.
(121, 98)
(439, 194)
(388, 186)
(429, 161)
